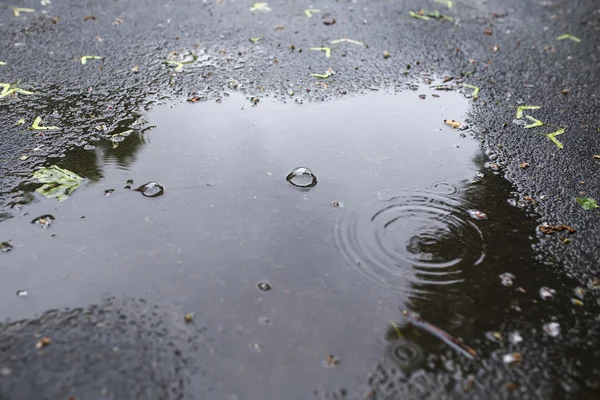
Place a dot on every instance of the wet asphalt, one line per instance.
(508, 49)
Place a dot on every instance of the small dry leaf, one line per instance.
(332, 360)
(524, 165)
(45, 341)
(195, 99)
(565, 91)
(331, 22)
(550, 229)
(89, 17)
(55, 20)
(454, 124)
(488, 31)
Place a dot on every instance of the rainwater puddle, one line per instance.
(200, 216)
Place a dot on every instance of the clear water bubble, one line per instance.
(22, 293)
(151, 189)
(547, 293)
(414, 237)
(507, 279)
(5, 247)
(552, 329)
(302, 177)
(44, 221)
(475, 214)
(264, 286)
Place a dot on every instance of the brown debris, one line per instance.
(454, 124)
(386, 54)
(89, 17)
(195, 99)
(550, 229)
(524, 165)
(45, 341)
(488, 32)
(55, 20)
(330, 22)
(332, 360)
(565, 91)
(447, 79)
(189, 317)
(279, 27)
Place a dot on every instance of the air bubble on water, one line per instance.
(512, 202)
(302, 177)
(151, 189)
(552, 329)
(22, 293)
(264, 286)
(89, 147)
(44, 221)
(547, 293)
(507, 278)
(477, 214)
(515, 338)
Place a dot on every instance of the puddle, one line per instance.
(285, 275)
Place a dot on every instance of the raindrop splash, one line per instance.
(404, 354)
(302, 177)
(151, 189)
(413, 237)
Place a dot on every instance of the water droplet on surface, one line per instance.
(302, 177)
(507, 278)
(264, 286)
(393, 241)
(5, 247)
(256, 346)
(22, 293)
(477, 214)
(547, 293)
(338, 204)
(151, 189)
(552, 329)
(44, 221)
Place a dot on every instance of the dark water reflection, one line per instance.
(228, 222)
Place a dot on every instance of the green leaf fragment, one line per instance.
(417, 16)
(178, 65)
(18, 10)
(326, 75)
(520, 110)
(21, 121)
(587, 203)
(476, 89)
(309, 12)
(535, 124)
(397, 329)
(327, 50)
(255, 39)
(552, 137)
(59, 183)
(36, 126)
(448, 3)
(84, 59)
(8, 89)
(263, 7)
(570, 37)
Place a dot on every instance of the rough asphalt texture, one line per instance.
(519, 63)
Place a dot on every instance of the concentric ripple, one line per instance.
(397, 240)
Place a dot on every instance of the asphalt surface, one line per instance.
(509, 49)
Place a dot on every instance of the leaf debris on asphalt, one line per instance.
(587, 203)
(520, 110)
(326, 75)
(18, 10)
(85, 59)
(310, 11)
(43, 342)
(8, 89)
(476, 89)
(327, 50)
(58, 182)
(535, 122)
(342, 40)
(36, 126)
(552, 137)
(263, 7)
(570, 37)
(550, 229)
